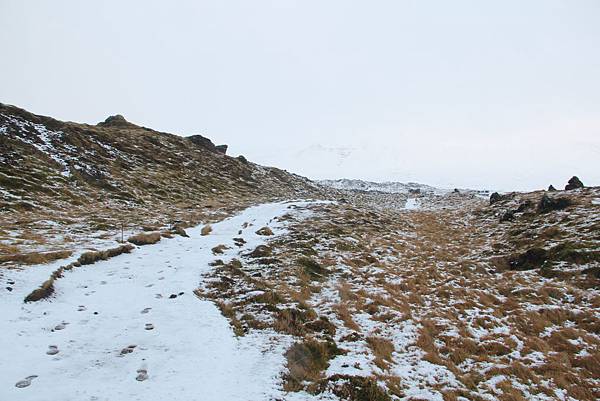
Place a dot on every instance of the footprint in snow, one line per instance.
(25, 382)
(128, 350)
(142, 374)
(52, 350)
(149, 285)
(149, 326)
(145, 310)
(61, 326)
(81, 308)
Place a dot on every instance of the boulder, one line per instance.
(548, 204)
(495, 197)
(531, 259)
(507, 216)
(207, 144)
(117, 121)
(574, 183)
(551, 188)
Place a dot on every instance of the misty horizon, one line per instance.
(501, 96)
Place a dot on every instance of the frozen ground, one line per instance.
(136, 315)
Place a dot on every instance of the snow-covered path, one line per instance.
(185, 344)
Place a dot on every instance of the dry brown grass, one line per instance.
(145, 238)
(34, 258)
(91, 257)
(345, 316)
(382, 349)
(306, 361)
(47, 287)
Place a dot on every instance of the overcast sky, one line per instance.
(497, 94)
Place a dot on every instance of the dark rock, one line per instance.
(495, 197)
(172, 296)
(456, 191)
(9, 289)
(239, 241)
(117, 121)
(531, 259)
(415, 191)
(242, 159)
(524, 206)
(574, 183)
(551, 188)
(207, 144)
(548, 204)
(507, 216)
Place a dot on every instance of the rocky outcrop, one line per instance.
(574, 183)
(207, 144)
(551, 188)
(117, 121)
(495, 197)
(548, 204)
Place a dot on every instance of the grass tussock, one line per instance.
(87, 258)
(382, 349)
(265, 231)
(307, 360)
(35, 258)
(92, 257)
(219, 249)
(355, 388)
(145, 238)
(207, 229)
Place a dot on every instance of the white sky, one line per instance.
(502, 94)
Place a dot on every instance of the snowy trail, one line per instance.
(185, 344)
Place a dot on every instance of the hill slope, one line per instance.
(93, 178)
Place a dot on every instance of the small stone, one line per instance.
(172, 296)
(60, 326)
